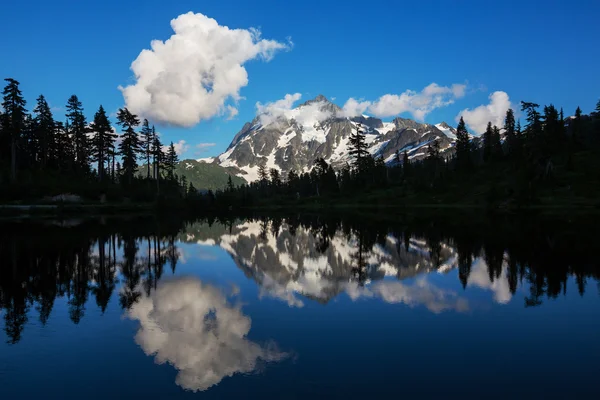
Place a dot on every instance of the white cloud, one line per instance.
(270, 112)
(233, 112)
(192, 326)
(354, 107)
(190, 76)
(419, 104)
(180, 147)
(494, 112)
(421, 292)
(306, 115)
(480, 277)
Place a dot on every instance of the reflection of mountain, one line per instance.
(287, 261)
(192, 326)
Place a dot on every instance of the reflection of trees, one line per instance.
(74, 262)
(541, 255)
(40, 263)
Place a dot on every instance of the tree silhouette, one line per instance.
(130, 145)
(13, 120)
(78, 130)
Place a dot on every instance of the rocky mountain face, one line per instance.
(294, 139)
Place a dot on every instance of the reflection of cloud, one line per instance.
(421, 292)
(192, 326)
(480, 277)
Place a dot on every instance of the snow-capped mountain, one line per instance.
(295, 138)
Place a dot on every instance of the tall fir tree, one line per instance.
(463, 145)
(65, 151)
(487, 145)
(576, 126)
(130, 143)
(103, 141)
(263, 174)
(405, 164)
(158, 158)
(146, 143)
(596, 112)
(171, 161)
(358, 148)
(510, 132)
(552, 129)
(45, 127)
(533, 129)
(78, 131)
(13, 121)
(497, 152)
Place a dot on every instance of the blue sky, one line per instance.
(544, 52)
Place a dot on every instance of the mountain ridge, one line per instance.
(292, 139)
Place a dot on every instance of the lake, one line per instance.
(299, 306)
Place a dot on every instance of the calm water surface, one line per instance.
(297, 308)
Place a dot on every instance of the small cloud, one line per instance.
(271, 112)
(180, 147)
(232, 111)
(419, 104)
(494, 112)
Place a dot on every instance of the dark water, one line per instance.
(299, 307)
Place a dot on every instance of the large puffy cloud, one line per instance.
(190, 76)
(419, 104)
(494, 112)
(192, 326)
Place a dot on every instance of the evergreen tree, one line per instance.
(596, 112)
(576, 126)
(158, 158)
(171, 161)
(263, 175)
(433, 151)
(533, 129)
(397, 157)
(192, 191)
(229, 184)
(552, 128)
(45, 131)
(78, 132)
(496, 143)
(103, 142)
(405, 164)
(13, 121)
(275, 178)
(487, 142)
(146, 143)
(463, 145)
(130, 144)
(65, 151)
(358, 148)
(509, 131)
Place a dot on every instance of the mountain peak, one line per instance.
(319, 99)
(444, 124)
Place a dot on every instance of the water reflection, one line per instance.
(203, 333)
(292, 259)
(192, 326)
